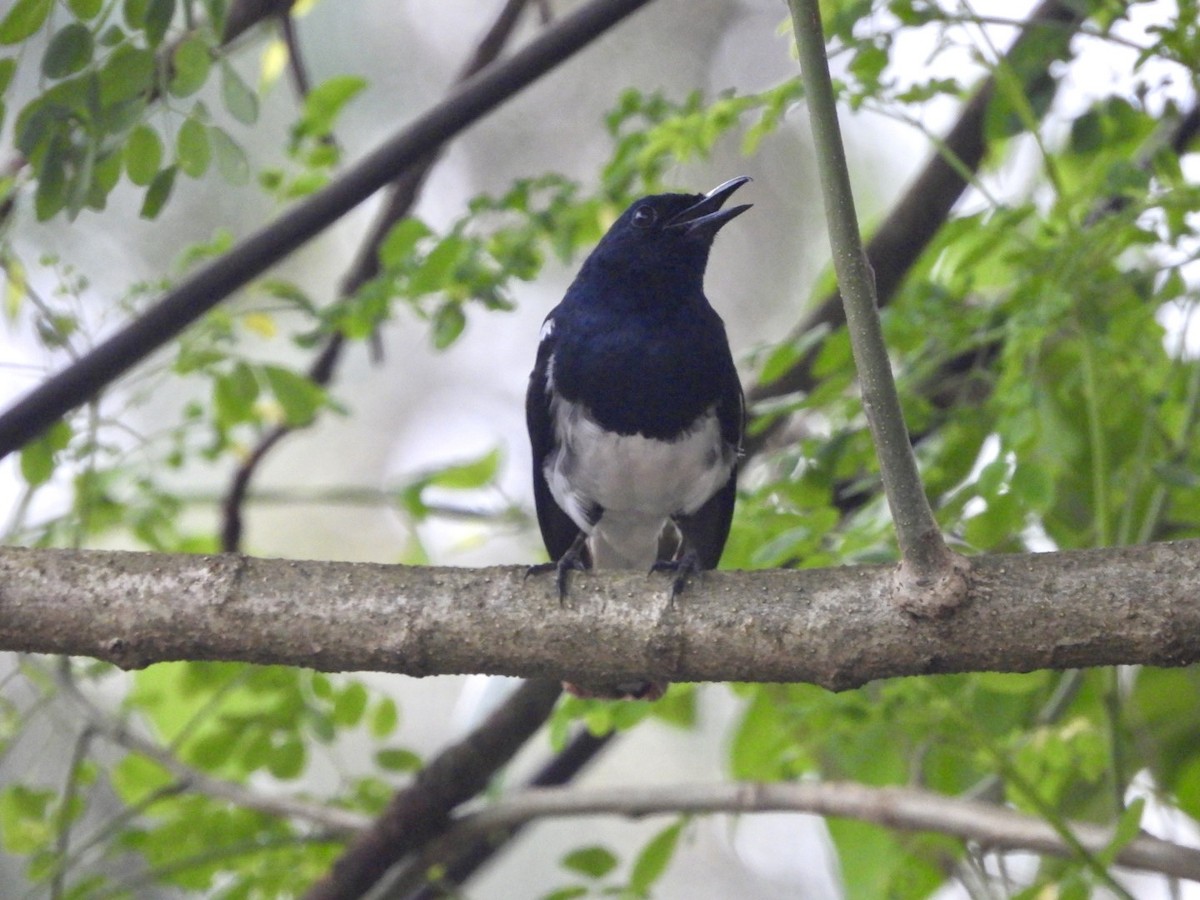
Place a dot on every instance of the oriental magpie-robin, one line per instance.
(634, 408)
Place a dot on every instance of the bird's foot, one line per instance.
(685, 565)
(574, 560)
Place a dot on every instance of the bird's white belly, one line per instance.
(638, 482)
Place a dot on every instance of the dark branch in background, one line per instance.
(460, 852)
(209, 285)
(963, 378)
(420, 813)
(400, 199)
(911, 225)
(245, 14)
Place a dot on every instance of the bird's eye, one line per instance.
(644, 216)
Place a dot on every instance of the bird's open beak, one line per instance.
(704, 219)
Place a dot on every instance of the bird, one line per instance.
(634, 407)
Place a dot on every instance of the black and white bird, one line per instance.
(634, 408)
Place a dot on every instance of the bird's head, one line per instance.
(669, 234)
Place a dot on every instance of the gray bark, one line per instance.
(835, 627)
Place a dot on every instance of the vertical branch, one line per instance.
(931, 579)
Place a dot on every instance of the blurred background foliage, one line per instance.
(1043, 342)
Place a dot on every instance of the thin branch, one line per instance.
(913, 222)
(401, 197)
(990, 826)
(202, 290)
(832, 627)
(333, 820)
(934, 582)
(421, 812)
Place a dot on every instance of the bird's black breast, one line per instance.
(649, 375)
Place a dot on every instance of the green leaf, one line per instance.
(231, 158)
(401, 241)
(39, 456)
(299, 397)
(158, 193)
(324, 103)
(8, 67)
(350, 705)
(876, 863)
(570, 892)
(25, 824)
(190, 65)
(23, 19)
(385, 718)
(652, 862)
(241, 102)
(398, 760)
(193, 152)
(287, 760)
(594, 862)
(128, 73)
(157, 20)
(51, 194)
(234, 393)
(762, 741)
(448, 323)
(68, 51)
(143, 155)
(85, 9)
(1129, 826)
(470, 475)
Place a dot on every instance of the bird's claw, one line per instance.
(571, 561)
(683, 566)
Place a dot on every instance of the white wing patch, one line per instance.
(547, 329)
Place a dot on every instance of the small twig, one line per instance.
(988, 825)
(337, 821)
(932, 580)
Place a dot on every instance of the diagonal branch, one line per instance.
(987, 825)
(420, 813)
(913, 222)
(206, 287)
(460, 852)
(401, 196)
(329, 818)
(1130, 605)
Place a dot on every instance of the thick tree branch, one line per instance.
(832, 627)
(206, 287)
(990, 826)
(932, 577)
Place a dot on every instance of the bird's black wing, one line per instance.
(559, 531)
(706, 530)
